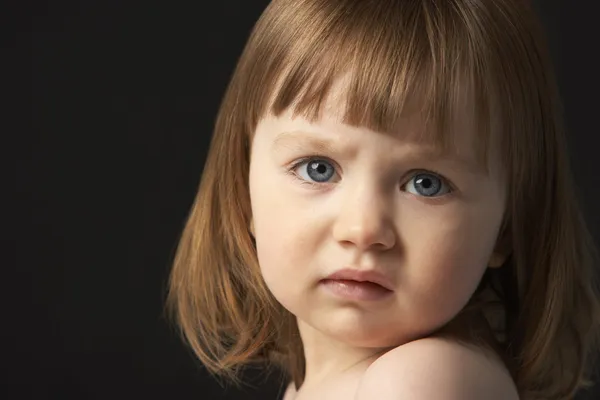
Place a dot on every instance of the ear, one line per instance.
(251, 226)
(497, 260)
(501, 252)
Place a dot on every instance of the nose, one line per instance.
(365, 221)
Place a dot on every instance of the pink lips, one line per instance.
(373, 276)
(357, 285)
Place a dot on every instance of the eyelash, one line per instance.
(314, 185)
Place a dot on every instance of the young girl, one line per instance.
(386, 211)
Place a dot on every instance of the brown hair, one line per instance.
(394, 51)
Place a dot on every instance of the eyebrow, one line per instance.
(302, 140)
(297, 140)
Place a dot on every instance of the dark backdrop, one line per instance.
(123, 99)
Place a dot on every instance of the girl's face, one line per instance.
(370, 201)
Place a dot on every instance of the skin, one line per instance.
(366, 211)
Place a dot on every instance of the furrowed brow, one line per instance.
(301, 140)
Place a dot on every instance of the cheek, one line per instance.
(279, 222)
(284, 271)
(282, 253)
(447, 264)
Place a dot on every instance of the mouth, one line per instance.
(356, 290)
(359, 285)
(373, 277)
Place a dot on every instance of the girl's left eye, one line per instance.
(427, 184)
(319, 171)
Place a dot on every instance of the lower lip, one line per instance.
(353, 290)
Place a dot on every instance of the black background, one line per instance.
(123, 100)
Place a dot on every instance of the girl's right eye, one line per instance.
(316, 173)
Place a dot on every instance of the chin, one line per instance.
(358, 332)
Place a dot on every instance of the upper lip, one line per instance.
(358, 275)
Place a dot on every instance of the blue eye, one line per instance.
(317, 170)
(427, 185)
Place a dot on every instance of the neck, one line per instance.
(327, 359)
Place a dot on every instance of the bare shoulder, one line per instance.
(436, 368)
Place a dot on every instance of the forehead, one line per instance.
(458, 139)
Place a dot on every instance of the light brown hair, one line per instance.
(396, 51)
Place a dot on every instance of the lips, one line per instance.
(355, 275)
